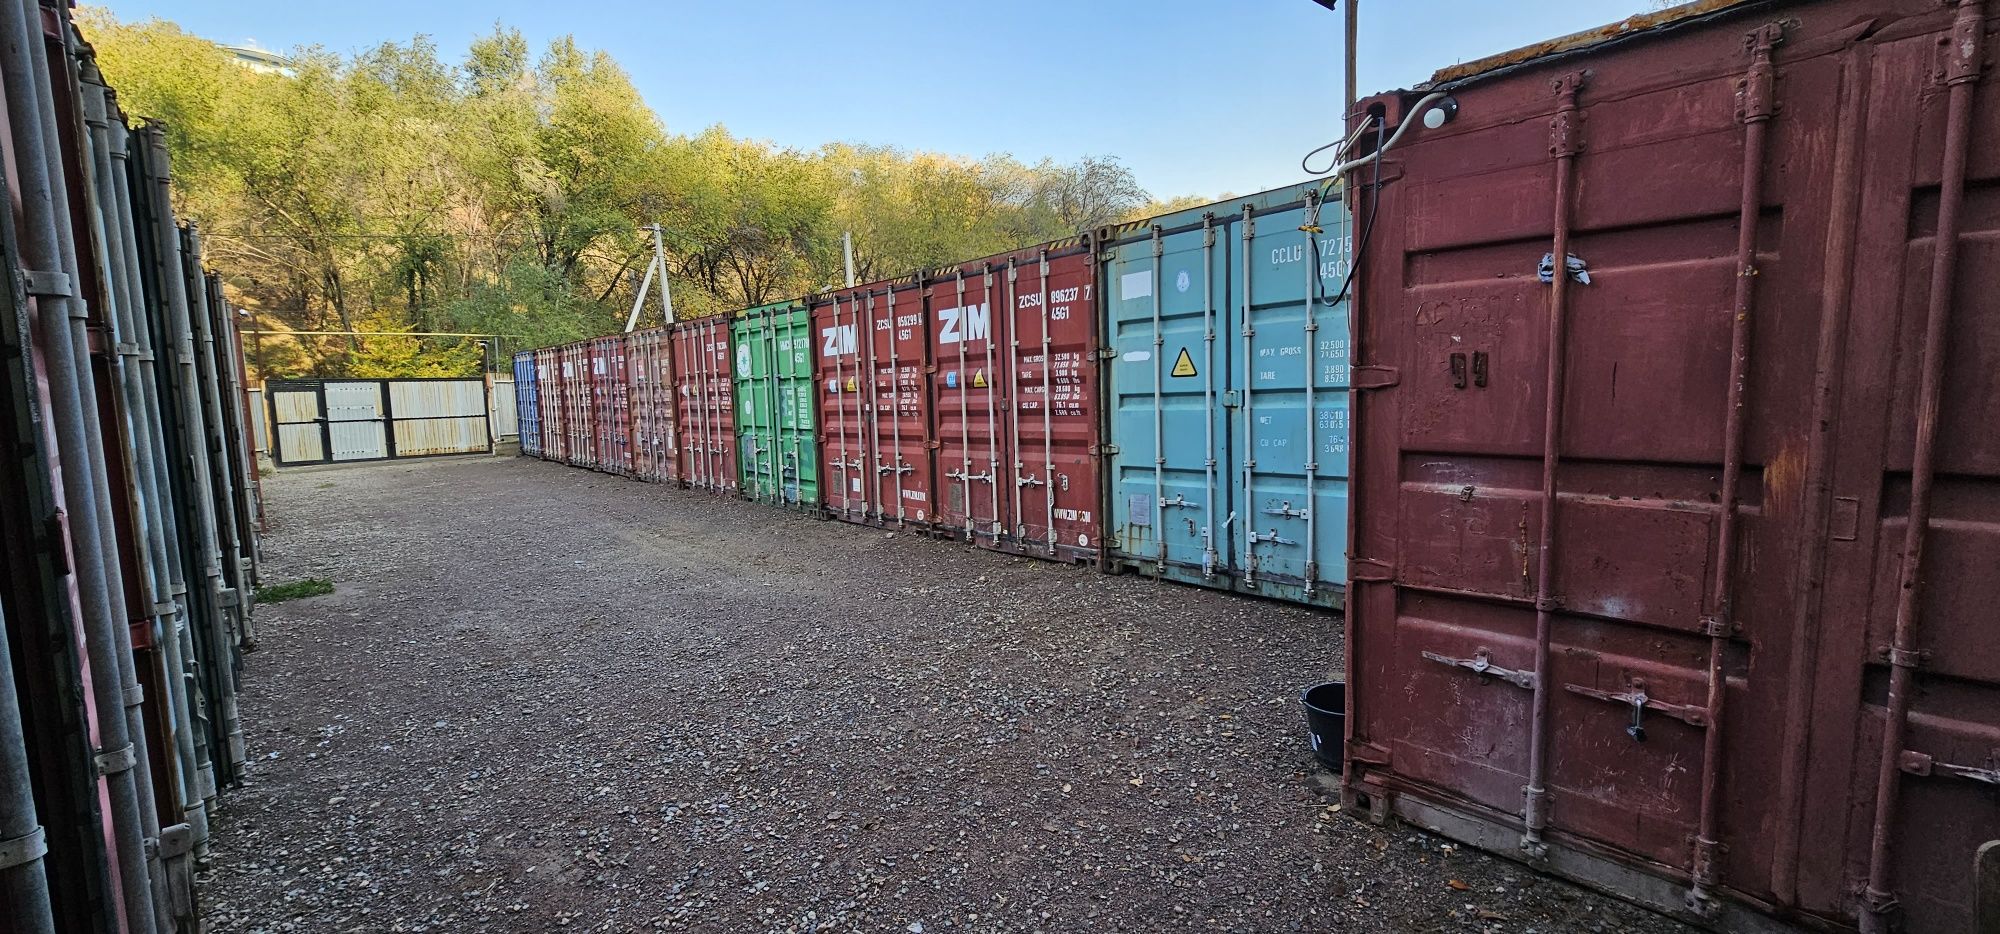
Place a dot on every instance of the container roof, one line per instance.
(1578, 41)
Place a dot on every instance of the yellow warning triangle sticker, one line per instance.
(850, 384)
(1184, 364)
(979, 379)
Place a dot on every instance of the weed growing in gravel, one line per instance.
(293, 590)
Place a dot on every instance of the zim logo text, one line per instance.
(970, 323)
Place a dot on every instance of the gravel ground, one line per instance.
(542, 698)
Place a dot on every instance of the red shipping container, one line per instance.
(876, 464)
(707, 403)
(577, 417)
(611, 409)
(649, 366)
(1014, 392)
(549, 387)
(1677, 494)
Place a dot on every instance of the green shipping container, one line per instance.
(777, 436)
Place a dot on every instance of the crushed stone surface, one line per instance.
(545, 699)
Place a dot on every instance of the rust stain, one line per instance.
(1783, 476)
(1582, 40)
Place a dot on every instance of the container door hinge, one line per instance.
(1370, 571)
(1917, 763)
(1481, 664)
(1105, 353)
(1375, 377)
(1107, 449)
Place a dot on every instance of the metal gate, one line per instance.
(320, 421)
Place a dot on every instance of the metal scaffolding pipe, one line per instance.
(24, 883)
(50, 266)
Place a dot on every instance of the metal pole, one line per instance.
(1208, 556)
(1353, 30)
(1249, 409)
(1963, 64)
(847, 254)
(666, 287)
(1048, 422)
(1159, 409)
(24, 883)
(964, 392)
(49, 261)
(1565, 145)
(992, 379)
(1312, 386)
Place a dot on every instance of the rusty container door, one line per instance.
(611, 412)
(707, 405)
(1676, 512)
(549, 398)
(649, 364)
(1054, 484)
(968, 397)
(580, 451)
(874, 353)
(527, 405)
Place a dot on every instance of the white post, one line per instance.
(847, 254)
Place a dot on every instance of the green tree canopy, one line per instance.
(508, 194)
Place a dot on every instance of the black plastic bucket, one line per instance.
(1326, 720)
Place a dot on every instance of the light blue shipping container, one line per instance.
(1227, 394)
(527, 403)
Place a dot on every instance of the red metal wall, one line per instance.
(707, 403)
(549, 389)
(1014, 396)
(1643, 545)
(611, 406)
(649, 366)
(876, 463)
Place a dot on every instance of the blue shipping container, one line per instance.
(527, 408)
(1228, 394)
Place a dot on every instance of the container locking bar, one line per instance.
(1482, 664)
(1640, 703)
(1917, 763)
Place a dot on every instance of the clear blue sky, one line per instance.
(1196, 96)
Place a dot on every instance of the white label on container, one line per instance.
(1137, 356)
(1136, 285)
(857, 484)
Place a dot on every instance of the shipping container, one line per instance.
(707, 405)
(1014, 394)
(1227, 394)
(1678, 498)
(580, 449)
(649, 365)
(873, 343)
(611, 404)
(549, 389)
(776, 429)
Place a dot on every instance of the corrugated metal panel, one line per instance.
(295, 407)
(610, 404)
(301, 444)
(707, 403)
(435, 398)
(356, 440)
(527, 404)
(352, 401)
(260, 430)
(445, 435)
(1698, 549)
(874, 347)
(580, 446)
(1015, 340)
(649, 366)
(551, 389)
(1228, 396)
(778, 446)
(504, 408)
